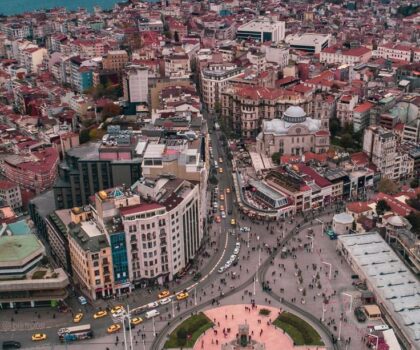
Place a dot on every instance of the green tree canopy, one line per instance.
(387, 186)
(382, 207)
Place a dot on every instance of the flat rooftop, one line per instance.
(392, 281)
(16, 248)
(308, 39)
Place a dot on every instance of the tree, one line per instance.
(387, 186)
(96, 134)
(414, 183)
(346, 141)
(276, 157)
(84, 136)
(182, 336)
(334, 127)
(110, 110)
(382, 207)
(414, 219)
(213, 180)
(414, 202)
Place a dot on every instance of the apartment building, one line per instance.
(380, 146)
(245, 107)
(91, 259)
(177, 66)
(361, 115)
(395, 51)
(10, 194)
(345, 106)
(115, 60)
(135, 84)
(164, 233)
(214, 79)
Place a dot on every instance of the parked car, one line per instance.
(197, 276)
(360, 315)
(82, 300)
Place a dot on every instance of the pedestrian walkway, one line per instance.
(228, 318)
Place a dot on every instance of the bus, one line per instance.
(81, 332)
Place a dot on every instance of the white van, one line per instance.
(152, 313)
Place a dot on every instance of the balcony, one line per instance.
(163, 243)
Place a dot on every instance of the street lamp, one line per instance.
(339, 331)
(173, 308)
(259, 251)
(351, 299)
(195, 296)
(248, 238)
(330, 266)
(312, 242)
(322, 222)
(154, 328)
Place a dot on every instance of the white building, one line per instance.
(164, 233)
(394, 51)
(309, 42)
(342, 223)
(262, 29)
(294, 134)
(395, 287)
(136, 84)
(334, 55)
(214, 79)
(277, 53)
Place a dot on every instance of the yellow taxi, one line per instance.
(222, 197)
(39, 336)
(100, 314)
(182, 295)
(220, 170)
(232, 221)
(136, 320)
(117, 309)
(228, 190)
(164, 294)
(78, 317)
(220, 160)
(113, 328)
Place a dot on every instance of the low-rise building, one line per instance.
(309, 42)
(24, 281)
(335, 55)
(262, 29)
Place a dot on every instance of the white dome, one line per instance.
(294, 114)
(343, 218)
(396, 221)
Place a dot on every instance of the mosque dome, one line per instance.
(294, 114)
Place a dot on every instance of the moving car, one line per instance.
(223, 214)
(217, 219)
(113, 328)
(82, 300)
(220, 160)
(221, 269)
(331, 234)
(197, 276)
(136, 320)
(78, 317)
(164, 301)
(11, 344)
(152, 305)
(152, 313)
(220, 170)
(39, 336)
(232, 221)
(245, 229)
(222, 208)
(117, 310)
(182, 295)
(228, 190)
(222, 197)
(164, 294)
(100, 314)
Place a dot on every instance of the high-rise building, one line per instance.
(135, 83)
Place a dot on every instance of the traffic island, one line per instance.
(301, 332)
(187, 333)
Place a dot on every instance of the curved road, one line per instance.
(326, 335)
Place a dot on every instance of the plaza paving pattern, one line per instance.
(271, 336)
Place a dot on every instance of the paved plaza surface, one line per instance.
(228, 318)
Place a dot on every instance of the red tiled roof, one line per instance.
(397, 207)
(363, 107)
(319, 180)
(359, 158)
(138, 208)
(358, 207)
(6, 185)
